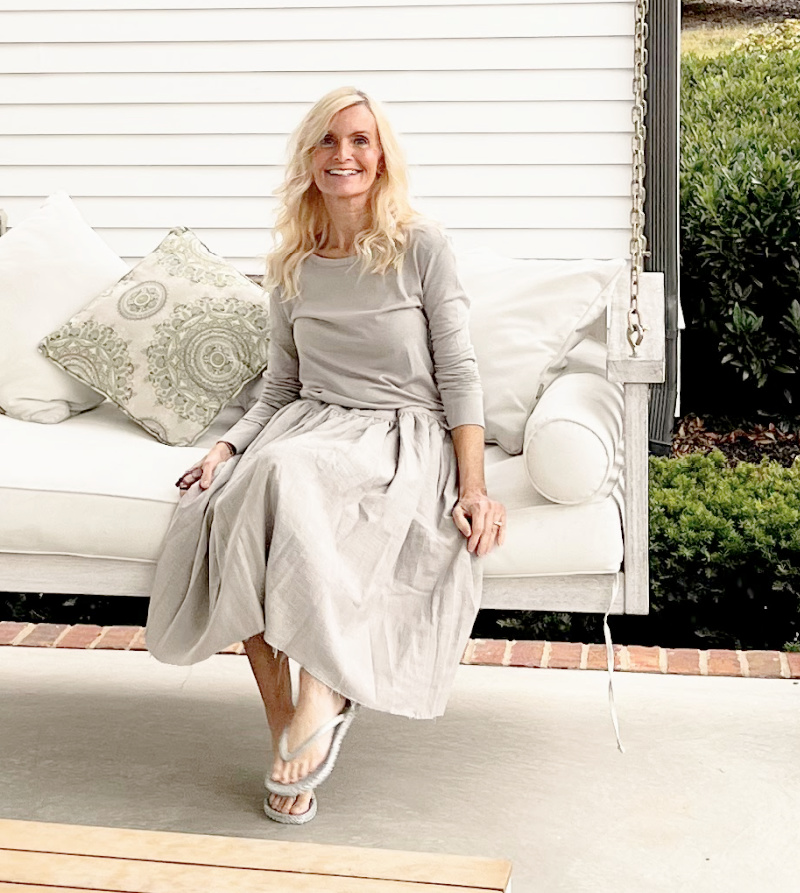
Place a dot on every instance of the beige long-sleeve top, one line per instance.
(368, 341)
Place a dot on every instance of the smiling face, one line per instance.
(347, 159)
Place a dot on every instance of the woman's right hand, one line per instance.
(204, 470)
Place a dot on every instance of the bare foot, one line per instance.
(294, 805)
(280, 717)
(316, 705)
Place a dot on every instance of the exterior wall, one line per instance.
(515, 115)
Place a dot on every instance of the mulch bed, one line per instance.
(750, 443)
(718, 13)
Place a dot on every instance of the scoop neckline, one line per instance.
(333, 261)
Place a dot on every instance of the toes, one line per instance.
(285, 804)
(282, 772)
(290, 805)
(301, 804)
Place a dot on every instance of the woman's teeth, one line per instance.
(347, 173)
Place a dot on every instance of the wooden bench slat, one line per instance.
(107, 874)
(211, 852)
(37, 888)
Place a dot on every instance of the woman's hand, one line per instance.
(204, 470)
(481, 520)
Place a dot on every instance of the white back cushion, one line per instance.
(525, 317)
(51, 264)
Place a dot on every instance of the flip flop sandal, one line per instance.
(288, 818)
(339, 724)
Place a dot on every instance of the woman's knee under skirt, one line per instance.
(331, 534)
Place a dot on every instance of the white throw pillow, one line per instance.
(572, 447)
(51, 265)
(525, 317)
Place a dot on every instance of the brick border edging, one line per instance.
(479, 652)
(633, 659)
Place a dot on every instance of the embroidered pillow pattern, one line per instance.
(172, 341)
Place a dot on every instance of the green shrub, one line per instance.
(740, 228)
(778, 37)
(725, 548)
(724, 561)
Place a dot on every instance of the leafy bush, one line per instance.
(724, 562)
(725, 549)
(740, 222)
(778, 37)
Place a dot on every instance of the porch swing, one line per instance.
(124, 524)
(635, 340)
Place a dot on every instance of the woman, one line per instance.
(340, 522)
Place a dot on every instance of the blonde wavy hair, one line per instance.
(302, 223)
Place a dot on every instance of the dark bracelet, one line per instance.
(230, 446)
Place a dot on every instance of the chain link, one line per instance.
(638, 244)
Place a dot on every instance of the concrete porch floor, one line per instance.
(524, 766)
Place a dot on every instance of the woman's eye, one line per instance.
(326, 140)
(361, 141)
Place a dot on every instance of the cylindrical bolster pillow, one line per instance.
(572, 438)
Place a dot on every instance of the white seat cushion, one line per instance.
(97, 485)
(547, 539)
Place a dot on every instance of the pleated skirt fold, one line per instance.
(332, 536)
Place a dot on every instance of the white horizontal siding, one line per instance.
(280, 118)
(236, 25)
(507, 53)
(428, 180)
(515, 116)
(25, 5)
(307, 86)
(270, 149)
(250, 213)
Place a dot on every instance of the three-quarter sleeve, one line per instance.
(281, 382)
(446, 306)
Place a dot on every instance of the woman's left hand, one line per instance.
(482, 521)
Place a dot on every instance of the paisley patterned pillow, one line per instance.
(172, 342)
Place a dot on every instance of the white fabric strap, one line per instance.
(287, 756)
(610, 659)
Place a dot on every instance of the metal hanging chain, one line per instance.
(638, 246)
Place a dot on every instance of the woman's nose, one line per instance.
(344, 150)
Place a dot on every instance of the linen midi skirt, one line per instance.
(332, 535)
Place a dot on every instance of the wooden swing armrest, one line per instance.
(637, 373)
(647, 366)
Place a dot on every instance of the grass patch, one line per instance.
(714, 40)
